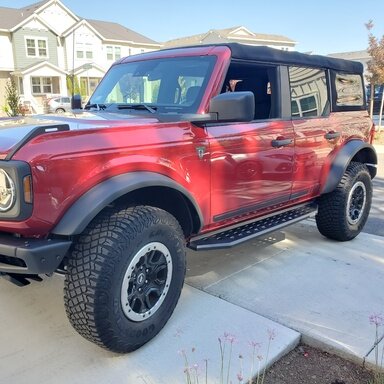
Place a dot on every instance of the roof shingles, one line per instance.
(114, 31)
(11, 17)
(230, 35)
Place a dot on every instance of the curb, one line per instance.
(379, 148)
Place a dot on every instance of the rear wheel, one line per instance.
(124, 277)
(343, 212)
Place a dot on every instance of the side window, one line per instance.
(309, 92)
(258, 79)
(349, 90)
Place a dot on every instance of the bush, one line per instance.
(12, 99)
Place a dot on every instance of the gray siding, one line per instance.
(20, 51)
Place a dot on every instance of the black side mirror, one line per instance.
(76, 102)
(233, 106)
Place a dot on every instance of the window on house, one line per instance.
(41, 85)
(109, 52)
(113, 53)
(309, 92)
(36, 47)
(117, 53)
(84, 51)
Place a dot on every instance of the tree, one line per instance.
(375, 66)
(12, 99)
(73, 85)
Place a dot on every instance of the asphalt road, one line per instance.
(375, 223)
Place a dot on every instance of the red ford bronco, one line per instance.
(201, 147)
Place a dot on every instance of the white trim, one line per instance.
(79, 70)
(36, 39)
(112, 41)
(36, 15)
(80, 23)
(47, 4)
(286, 42)
(38, 66)
(241, 28)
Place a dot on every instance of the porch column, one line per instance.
(27, 88)
(63, 85)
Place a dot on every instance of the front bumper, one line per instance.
(31, 256)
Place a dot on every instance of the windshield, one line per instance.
(166, 85)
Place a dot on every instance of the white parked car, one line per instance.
(59, 104)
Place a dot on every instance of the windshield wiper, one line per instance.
(137, 107)
(99, 107)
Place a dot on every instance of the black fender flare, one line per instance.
(353, 150)
(81, 213)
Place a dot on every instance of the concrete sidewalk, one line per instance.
(324, 289)
(288, 284)
(38, 345)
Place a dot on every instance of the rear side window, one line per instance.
(349, 89)
(309, 92)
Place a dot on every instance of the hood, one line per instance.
(14, 130)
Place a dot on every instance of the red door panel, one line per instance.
(248, 173)
(311, 151)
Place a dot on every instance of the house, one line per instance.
(45, 45)
(239, 34)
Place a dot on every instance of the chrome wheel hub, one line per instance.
(146, 281)
(357, 199)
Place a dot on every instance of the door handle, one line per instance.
(332, 135)
(281, 142)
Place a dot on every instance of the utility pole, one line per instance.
(73, 68)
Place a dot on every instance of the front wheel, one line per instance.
(124, 277)
(343, 212)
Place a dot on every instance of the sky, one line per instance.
(321, 27)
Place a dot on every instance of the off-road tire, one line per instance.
(98, 266)
(343, 212)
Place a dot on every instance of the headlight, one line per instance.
(16, 196)
(7, 191)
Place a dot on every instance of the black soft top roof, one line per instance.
(272, 55)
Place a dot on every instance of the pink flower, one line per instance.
(271, 334)
(230, 338)
(240, 377)
(376, 319)
(254, 344)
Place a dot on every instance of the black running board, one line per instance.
(249, 230)
(19, 279)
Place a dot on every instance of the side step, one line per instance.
(250, 230)
(20, 280)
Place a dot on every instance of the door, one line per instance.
(251, 167)
(315, 135)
